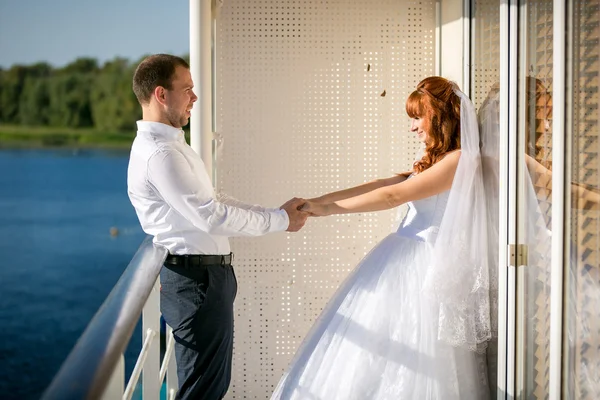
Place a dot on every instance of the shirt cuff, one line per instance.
(279, 220)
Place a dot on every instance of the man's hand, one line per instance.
(297, 217)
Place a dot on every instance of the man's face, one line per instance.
(180, 99)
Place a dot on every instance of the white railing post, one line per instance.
(96, 362)
(116, 385)
(151, 321)
(172, 382)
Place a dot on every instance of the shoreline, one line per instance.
(42, 137)
(41, 146)
(18, 137)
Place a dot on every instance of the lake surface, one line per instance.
(59, 261)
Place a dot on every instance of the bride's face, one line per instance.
(418, 125)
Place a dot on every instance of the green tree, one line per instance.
(82, 65)
(12, 86)
(34, 103)
(1, 89)
(114, 106)
(70, 100)
(34, 98)
(80, 94)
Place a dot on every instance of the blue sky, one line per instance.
(59, 31)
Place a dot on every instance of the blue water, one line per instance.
(58, 259)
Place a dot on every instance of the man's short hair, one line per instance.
(155, 70)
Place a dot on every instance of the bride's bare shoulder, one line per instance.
(454, 155)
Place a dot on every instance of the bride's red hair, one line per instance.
(436, 103)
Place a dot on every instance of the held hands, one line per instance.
(315, 209)
(297, 218)
(299, 210)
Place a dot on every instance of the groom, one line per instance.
(175, 202)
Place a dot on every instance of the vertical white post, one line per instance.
(522, 374)
(195, 120)
(452, 41)
(151, 320)
(558, 198)
(503, 203)
(201, 69)
(508, 199)
(438, 38)
(513, 180)
(116, 385)
(466, 86)
(172, 383)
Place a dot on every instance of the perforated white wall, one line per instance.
(486, 50)
(310, 99)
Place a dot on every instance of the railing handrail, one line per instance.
(88, 368)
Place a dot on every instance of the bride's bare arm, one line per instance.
(360, 189)
(436, 179)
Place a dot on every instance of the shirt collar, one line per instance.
(164, 130)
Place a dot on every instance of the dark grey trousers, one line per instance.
(197, 302)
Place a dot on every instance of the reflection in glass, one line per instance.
(534, 190)
(486, 75)
(582, 277)
(581, 361)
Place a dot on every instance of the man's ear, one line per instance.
(160, 95)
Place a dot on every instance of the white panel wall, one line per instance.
(300, 111)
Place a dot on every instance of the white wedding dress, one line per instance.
(377, 337)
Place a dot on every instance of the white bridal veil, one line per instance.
(459, 277)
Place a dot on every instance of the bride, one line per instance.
(412, 321)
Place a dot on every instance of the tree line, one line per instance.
(82, 94)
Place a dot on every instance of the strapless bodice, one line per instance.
(423, 217)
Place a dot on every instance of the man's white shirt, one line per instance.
(175, 201)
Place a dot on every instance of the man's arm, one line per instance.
(172, 177)
(232, 201)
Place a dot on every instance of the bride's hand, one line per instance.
(317, 200)
(315, 209)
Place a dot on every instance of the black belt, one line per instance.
(195, 260)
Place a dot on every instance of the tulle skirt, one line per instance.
(377, 338)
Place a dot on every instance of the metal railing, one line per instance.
(95, 368)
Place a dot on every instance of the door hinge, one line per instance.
(517, 255)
